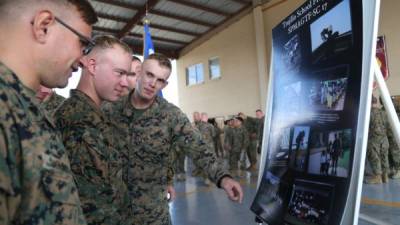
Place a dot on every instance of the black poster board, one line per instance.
(316, 114)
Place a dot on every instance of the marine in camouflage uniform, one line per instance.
(378, 147)
(36, 182)
(151, 134)
(237, 143)
(252, 125)
(394, 150)
(96, 160)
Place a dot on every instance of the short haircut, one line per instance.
(161, 59)
(109, 41)
(135, 58)
(83, 6)
(259, 110)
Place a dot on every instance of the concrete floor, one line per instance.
(199, 204)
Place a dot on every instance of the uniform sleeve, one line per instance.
(9, 182)
(5, 180)
(191, 141)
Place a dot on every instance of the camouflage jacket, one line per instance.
(252, 125)
(51, 103)
(377, 124)
(151, 134)
(238, 140)
(36, 182)
(208, 132)
(93, 147)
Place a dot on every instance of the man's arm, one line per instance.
(190, 139)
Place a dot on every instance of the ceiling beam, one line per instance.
(120, 4)
(115, 18)
(183, 18)
(243, 2)
(154, 38)
(221, 26)
(114, 31)
(152, 25)
(201, 7)
(176, 30)
(137, 17)
(172, 54)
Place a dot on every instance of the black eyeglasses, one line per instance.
(86, 42)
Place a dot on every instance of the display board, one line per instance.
(316, 114)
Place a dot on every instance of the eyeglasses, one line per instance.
(86, 42)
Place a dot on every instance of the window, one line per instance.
(215, 71)
(194, 74)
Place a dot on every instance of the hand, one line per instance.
(171, 192)
(232, 189)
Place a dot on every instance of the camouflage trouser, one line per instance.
(180, 163)
(252, 152)
(394, 152)
(378, 155)
(234, 158)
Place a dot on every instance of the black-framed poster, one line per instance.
(317, 114)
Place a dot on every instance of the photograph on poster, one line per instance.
(328, 94)
(298, 153)
(292, 54)
(331, 34)
(290, 101)
(319, 159)
(333, 156)
(310, 203)
(272, 199)
(281, 144)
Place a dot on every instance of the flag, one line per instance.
(148, 47)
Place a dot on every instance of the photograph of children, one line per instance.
(328, 94)
(271, 199)
(339, 146)
(331, 34)
(292, 54)
(298, 153)
(310, 204)
(319, 159)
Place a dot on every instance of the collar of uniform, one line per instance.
(28, 95)
(129, 109)
(84, 98)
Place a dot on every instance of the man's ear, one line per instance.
(90, 64)
(41, 25)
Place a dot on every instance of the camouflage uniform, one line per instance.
(378, 144)
(217, 142)
(51, 103)
(208, 132)
(93, 146)
(36, 182)
(260, 134)
(228, 132)
(152, 132)
(238, 141)
(251, 125)
(394, 150)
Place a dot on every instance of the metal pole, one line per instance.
(387, 102)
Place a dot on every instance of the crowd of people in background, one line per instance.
(236, 140)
